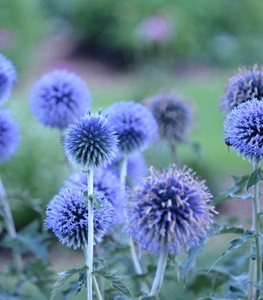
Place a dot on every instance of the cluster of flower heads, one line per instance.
(245, 85)
(173, 115)
(7, 78)
(9, 136)
(107, 183)
(170, 207)
(244, 129)
(67, 216)
(134, 124)
(9, 132)
(91, 141)
(59, 98)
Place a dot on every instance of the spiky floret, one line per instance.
(173, 115)
(243, 129)
(172, 207)
(67, 217)
(107, 183)
(59, 98)
(7, 78)
(135, 125)
(91, 141)
(9, 136)
(243, 86)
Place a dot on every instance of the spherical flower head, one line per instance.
(243, 129)
(7, 78)
(9, 136)
(170, 208)
(67, 217)
(173, 115)
(59, 98)
(245, 85)
(106, 183)
(135, 125)
(91, 141)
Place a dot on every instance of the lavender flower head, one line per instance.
(106, 183)
(173, 115)
(7, 78)
(135, 126)
(67, 217)
(91, 141)
(243, 129)
(245, 85)
(170, 208)
(59, 98)
(9, 136)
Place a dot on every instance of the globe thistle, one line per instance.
(107, 183)
(59, 98)
(244, 129)
(9, 136)
(7, 78)
(135, 126)
(245, 85)
(173, 115)
(67, 217)
(170, 206)
(91, 141)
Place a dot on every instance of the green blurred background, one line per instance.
(127, 50)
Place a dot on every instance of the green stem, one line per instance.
(174, 152)
(97, 288)
(10, 227)
(88, 247)
(159, 275)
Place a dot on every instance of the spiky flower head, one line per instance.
(91, 141)
(9, 136)
(243, 86)
(243, 129)
(7, 78)
(135, 125)
(67, 217)
(59, 98)
(170, 208)
(173, 115)
(107, 183)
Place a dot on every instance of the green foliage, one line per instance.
(254, 178)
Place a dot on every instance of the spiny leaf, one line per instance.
(64, 276)
(122, 287)
(254, 178)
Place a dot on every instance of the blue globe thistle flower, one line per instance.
(170, 206)
(7, 78)
(245, 85)
(67, 217)
(59, 98)
(108, 184)
(173, 115)
(243, 128)
(135, 125)
(91, 141)
(9, 136)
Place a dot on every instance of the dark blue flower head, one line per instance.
(135, 125)
(173, 115)
(67, 217)
(245, 85)
(59, 98)
(244, 129)
(91, 141)
(106, 183)
(171, 207)
(9, 136)
(7, 78)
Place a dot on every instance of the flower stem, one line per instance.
(159, 275)
(88, 247)
(10, 227)
(97, 288)
(174, 152)
(123, 172)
